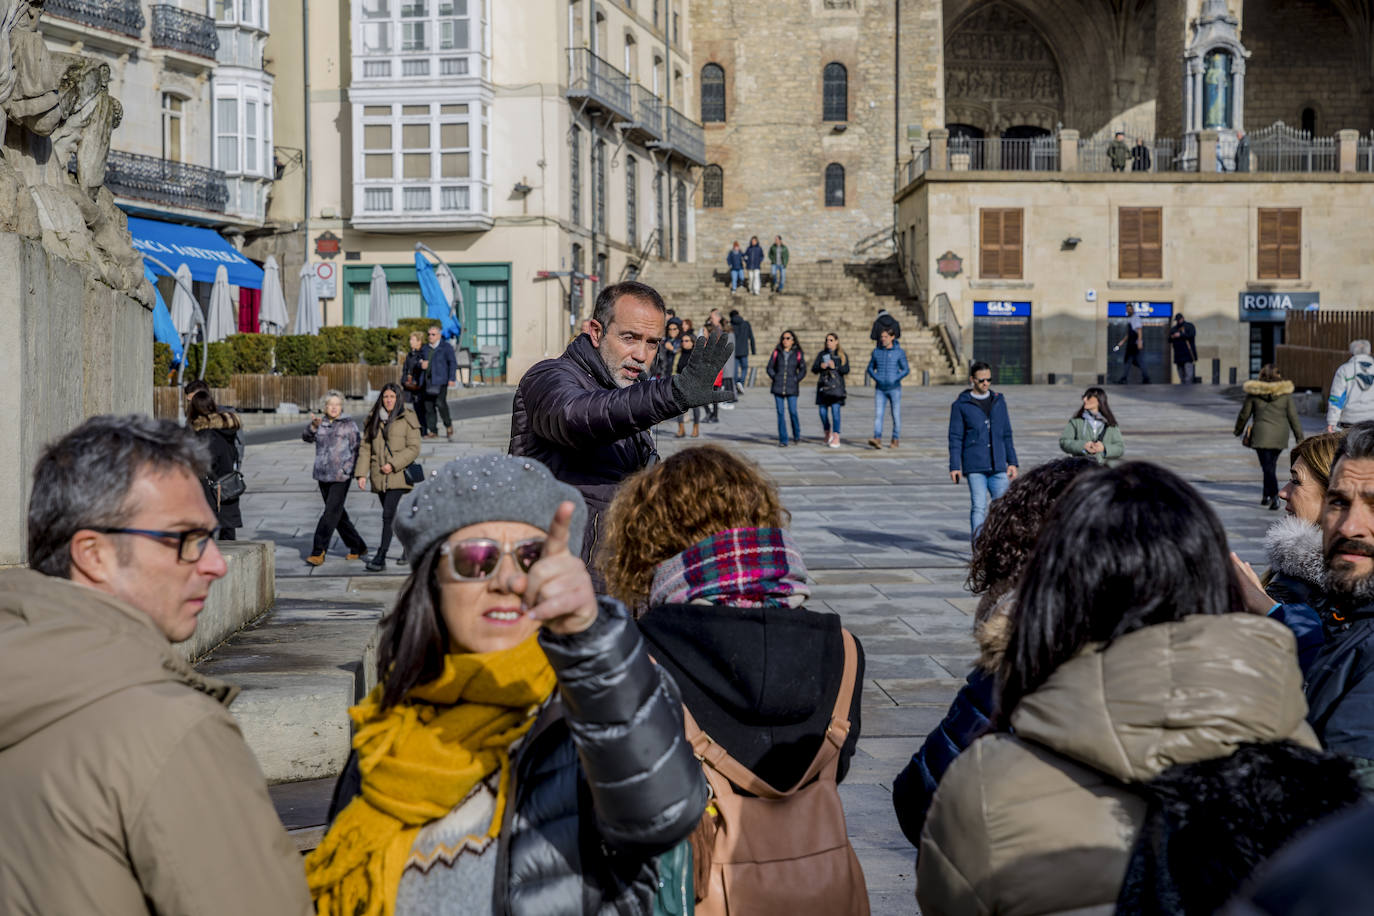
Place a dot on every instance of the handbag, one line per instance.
(231, 486)
(1245, 436)
(412, 473)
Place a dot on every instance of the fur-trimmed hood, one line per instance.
(1255, 388)
(221, 420)
(1294, 548)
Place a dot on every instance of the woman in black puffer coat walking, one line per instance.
(219, 430)
(830, 368)
(787, 367)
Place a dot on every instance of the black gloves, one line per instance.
(695, 385)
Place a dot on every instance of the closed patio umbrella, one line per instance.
(220, 320)
(378, 301)
(183, 306)
(307, 306)
(272, 317)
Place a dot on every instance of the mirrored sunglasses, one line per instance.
(475, 559)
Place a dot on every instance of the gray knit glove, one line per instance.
(695, 386)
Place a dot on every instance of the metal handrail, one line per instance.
(948, 321)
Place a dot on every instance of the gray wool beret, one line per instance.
(487, 488)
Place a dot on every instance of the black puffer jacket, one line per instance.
(604, 782)
(569, 414)
(786, 368)
(220, 433)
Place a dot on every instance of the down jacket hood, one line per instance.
(1295, 549)
(1267, 390)
(1172, 693)
(66, 646)
(223, 421)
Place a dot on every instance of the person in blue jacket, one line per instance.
(441, 369)
(887, 367)
(753, 260)
(735, 261)
(980, 446)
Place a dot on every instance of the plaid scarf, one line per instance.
(743, 567)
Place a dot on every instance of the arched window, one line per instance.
(835, 93)
(712, 93)
(834, 185)
(631, 58)
(712, 187)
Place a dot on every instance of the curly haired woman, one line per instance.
(999, 557)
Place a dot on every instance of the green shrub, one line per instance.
(340, 343)
(252, 353)
(162, 364)
(299, 354)
(219, 367)
(405, 325)
(380, 346)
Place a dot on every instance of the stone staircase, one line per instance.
(820, 297)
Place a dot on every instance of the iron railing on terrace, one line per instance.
(183, 30)
(592, 78)
(1280, 148)
(684, 136)
(1161, 155)
(1364, 153)
(122, 16)
(1015, 154)
(165, 181)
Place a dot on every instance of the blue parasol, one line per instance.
(437, 304)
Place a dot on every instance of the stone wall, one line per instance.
(69, 347)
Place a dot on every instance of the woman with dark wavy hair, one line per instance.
(999, 556)
(1092, 430)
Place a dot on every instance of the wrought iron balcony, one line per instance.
(161, 180)
(684, 136)
(648, 114)
(182, 30)
(594, 79)
(122, 16)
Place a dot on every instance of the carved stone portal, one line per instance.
(1000, 73)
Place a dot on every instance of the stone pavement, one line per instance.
(884, 533)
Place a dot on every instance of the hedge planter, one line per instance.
(165, 399)
(257, 392)
(350, 379)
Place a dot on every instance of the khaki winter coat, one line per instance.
(402, 435)
(125, 785)
(1271, 405)
(1042, 821)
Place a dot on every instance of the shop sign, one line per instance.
(949, 265)
(1142, 309)
(327, 245)
(1276, 306)
(1001, 309)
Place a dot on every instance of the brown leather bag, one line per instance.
(779, 853)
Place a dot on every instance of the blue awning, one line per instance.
(202, 250)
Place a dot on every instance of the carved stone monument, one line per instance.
(75, 311)
(1214, 83)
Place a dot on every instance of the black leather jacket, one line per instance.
(569, 414)
(604, 782)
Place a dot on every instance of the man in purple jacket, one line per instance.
(586, 415)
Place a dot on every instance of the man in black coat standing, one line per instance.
(586, 415)
(885, 322)
(744, 347)
(1183, 340)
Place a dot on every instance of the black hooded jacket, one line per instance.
(762, 682)
(570, 415)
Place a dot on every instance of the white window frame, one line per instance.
(448, 195)
(424, 39)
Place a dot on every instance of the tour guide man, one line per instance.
(586, 415)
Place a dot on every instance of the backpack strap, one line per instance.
(716, 757)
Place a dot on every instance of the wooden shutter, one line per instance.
(1011, 244)
(989, 243)
(1128, 243)
(1151, 243)
(1280, 243)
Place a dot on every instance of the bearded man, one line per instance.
(586, 415)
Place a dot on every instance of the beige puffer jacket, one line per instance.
(1039, 822)
(402, 437)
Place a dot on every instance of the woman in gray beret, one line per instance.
(521, 747)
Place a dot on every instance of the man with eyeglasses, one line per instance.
(980, 444)
(126, 783)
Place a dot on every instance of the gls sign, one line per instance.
(1276, 306)
(996, 309)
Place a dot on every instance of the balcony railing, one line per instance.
(182, 30)
(161, 180)
(1280, 148)
(648, 113)
(592, 78)
(684, 136)
(122, 16)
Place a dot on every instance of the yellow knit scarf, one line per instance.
(418, 760)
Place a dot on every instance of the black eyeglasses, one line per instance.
(190, 545)
(475, 559)
(983, 381)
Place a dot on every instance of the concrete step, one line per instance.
(245, 592)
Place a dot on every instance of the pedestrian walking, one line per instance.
(980, 444)
(127, 786)
(764, 679)
(1140, 156)
(1092, 430)
(219, 430)
(336, 438)
(662, 365)
(1351, 399)
(753, 261)
(1129, 584)
(440, 366)
(999, 558)
(734, 260)
(684, 357)
(716, 324)
(830, 368)
(413, 378)
(1183, 341)
(887, 366)
(744, 348)
(1134, 342)
(493, 769)
(390, 444)
(787, 367)
(1242, 151)
(777, 259)
(1118, 153)
(885, 321)
(1269, 404)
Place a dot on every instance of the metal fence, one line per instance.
(1364, 153)
(183, 30)
(1280, 148)
(164, 181)
(123, 16)
(1014, 154)
(1160, 154)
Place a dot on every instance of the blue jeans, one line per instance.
(791, 404)
(830, 417)
(736, 278)
(881, 398)
(983, 488)
(741, 371)
(779, 277)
